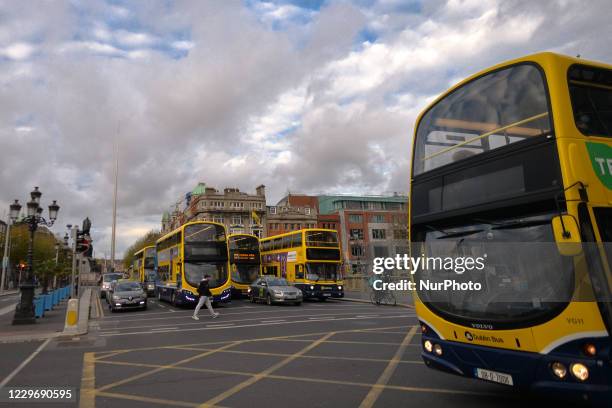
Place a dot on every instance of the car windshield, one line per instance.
(523, 276)
(245, 273)
(321, 271)
(112, 276)
(277, 282)
(127, 287)
(195, 271)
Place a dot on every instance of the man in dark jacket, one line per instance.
(204, 292)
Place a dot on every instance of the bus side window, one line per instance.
(299, 271)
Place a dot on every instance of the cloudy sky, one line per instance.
(302, 96)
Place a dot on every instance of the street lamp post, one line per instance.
(24, 313)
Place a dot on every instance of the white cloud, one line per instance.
(134, 39)
(18, 51)
(183, 45)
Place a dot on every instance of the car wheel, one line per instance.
(298, 303)
(252, 299)
(269, 299)
(323, 299)
(159, 295)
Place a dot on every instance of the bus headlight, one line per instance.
(339, 287)
(437, 349)
(559, 369)
(311, 287)
(580, 371)
(428, 346)
(590, 349)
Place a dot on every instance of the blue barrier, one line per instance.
(64, 292)
(55, 297)
(47, 301)
(39, 309)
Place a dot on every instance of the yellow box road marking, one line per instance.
(239, 387)
(87, 396)
(372, 397)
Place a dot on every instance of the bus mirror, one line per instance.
(567, 235)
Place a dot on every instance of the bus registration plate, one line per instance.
(494, 376)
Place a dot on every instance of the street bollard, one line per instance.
(72, 316)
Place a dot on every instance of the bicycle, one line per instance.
(383, 297)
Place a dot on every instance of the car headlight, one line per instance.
(115, 297)
(277, 292)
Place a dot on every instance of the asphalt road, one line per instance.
(332, 354)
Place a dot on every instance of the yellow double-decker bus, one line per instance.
(186, 255)
(513, 166)
(309, 259)
(143, 268)
(245, 262)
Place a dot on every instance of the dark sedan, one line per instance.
(127, 295)
(274, 290)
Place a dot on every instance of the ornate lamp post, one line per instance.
(24, 313)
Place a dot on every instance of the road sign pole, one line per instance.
(73, 233)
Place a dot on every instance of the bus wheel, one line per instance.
(269, 299)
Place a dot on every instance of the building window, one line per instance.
(379, 233)
(381, 251)
(356, 250)
(272, 210)
(286, 226)
(218, 219)
(400, 234)
(401, 250)
(307, 210)
(355, 218)
(377, 218)
(236, 219)
(356, 233)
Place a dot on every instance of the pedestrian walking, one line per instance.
(204, 292)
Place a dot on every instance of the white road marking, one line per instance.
(220, 325)
(7, 309)
(23, 364)
(212, 327)
(164, 328)
(322, 318)
(273, 321)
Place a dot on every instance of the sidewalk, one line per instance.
(46, 327)
(404, 298)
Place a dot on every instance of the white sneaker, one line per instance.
(214, 316)
(194, 317)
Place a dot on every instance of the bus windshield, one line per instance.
(205, 241)
(524, 276)
(323, 271)
(150, 275)
(195, 271)
(321, 238)
(245, 273)
(490, 112)
(149, 260)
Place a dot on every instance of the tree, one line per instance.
(43, 255)
(148, 239)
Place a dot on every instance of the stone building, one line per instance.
(292, 212)
(239, 211)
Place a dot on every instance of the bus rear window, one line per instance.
(591, 94)
(493, 111)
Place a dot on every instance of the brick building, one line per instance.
(368, 226)
(292, 212)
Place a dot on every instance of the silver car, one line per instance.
(274, 290)
(127, 295)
